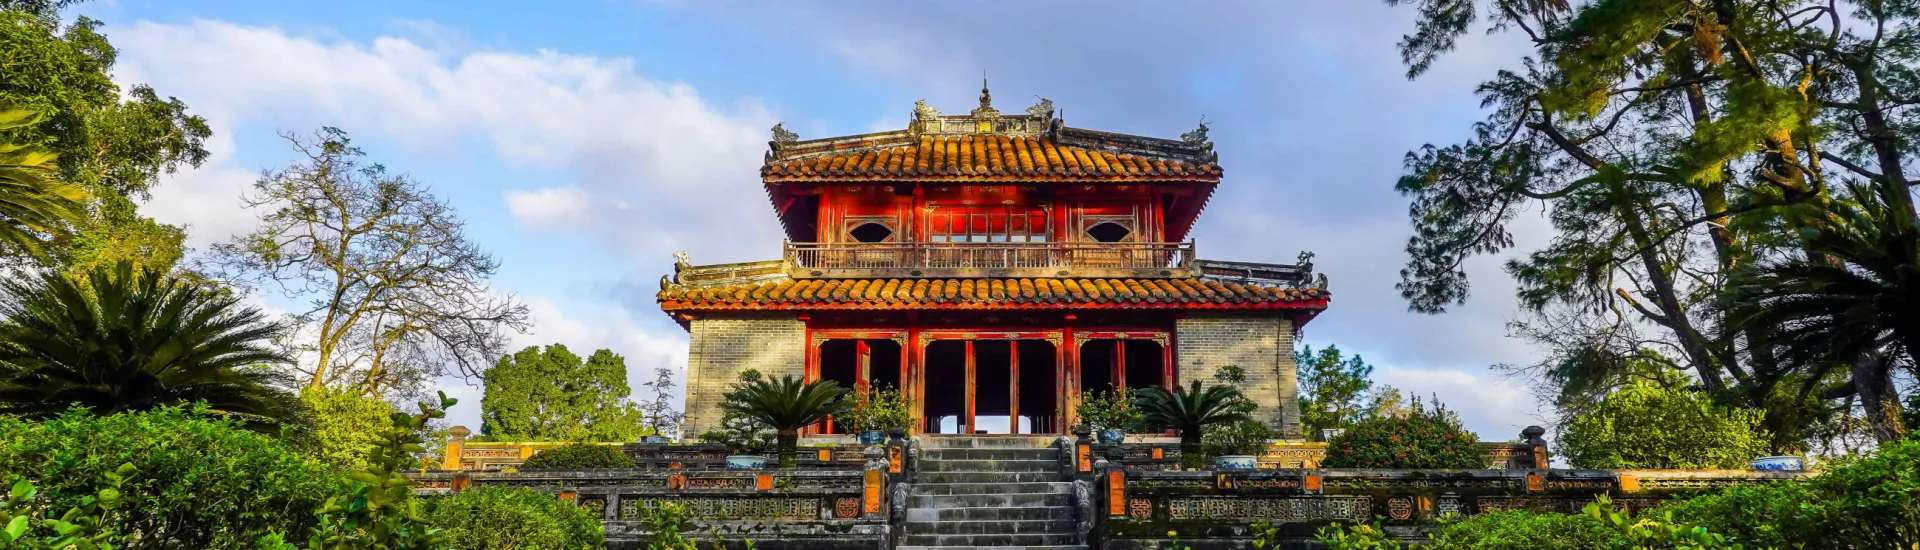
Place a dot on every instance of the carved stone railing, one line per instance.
(1136, 457)
(1050, 259)
(496, 455)
(794, 508)
(1214, 509)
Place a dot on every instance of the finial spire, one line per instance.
(986, 97)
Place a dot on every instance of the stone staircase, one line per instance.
(989, 492)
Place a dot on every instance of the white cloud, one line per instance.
(549, 207)
(1492, 406)
(683, 161)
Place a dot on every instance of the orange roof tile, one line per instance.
(810, 294)
(983, 158)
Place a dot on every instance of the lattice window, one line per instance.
(987, 224)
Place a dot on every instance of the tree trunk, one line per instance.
(1873, 383)
(787, 441)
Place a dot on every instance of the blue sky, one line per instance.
(586, 141)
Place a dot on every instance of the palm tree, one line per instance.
(788, 405)
(1191, 410)
(1857, 307)
(34, 204)
(114, 340)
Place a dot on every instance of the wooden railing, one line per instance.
(1051, 259)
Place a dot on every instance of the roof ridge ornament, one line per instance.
(1042, 110)
(781, 139)
(1198, 139)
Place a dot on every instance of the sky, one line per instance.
(587, 140)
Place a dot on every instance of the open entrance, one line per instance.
(1133, 364)
(860, 363)
(991, 387)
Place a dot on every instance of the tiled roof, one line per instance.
(982, 158)
(809, 294)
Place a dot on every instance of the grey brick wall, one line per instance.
(721, 347)
(1261, 343)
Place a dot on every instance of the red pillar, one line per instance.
(1070, 379)
(1013, 383)
(1120, 365)
(969, 429)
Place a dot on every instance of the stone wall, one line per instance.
(1261, 343)
(721, 347)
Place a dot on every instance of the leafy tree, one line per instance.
(551, 395)
(787, 405)
(113, 143)
(1191, 410)
(344, 426)
(514, 518)
(1423, 438)
(199, 480)
(380, 511)
(1672, 145)
(128, 340)
(35, 205)
(1333, 389)
(1661, 424)
(580, 455)
(398, 293)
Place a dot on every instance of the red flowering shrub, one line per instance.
(1422, 438)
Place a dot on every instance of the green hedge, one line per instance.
(580, 455)
(1423, 438)
(1858, 503)
(199, 481)
(503, 518)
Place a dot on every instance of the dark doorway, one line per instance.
(1137, 364)
(854, 363)
(945, 407)
(1013, 387)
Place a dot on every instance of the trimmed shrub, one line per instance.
(579, 455)
(502, 518)
(1867, 501)
(1423, 438)
(1523, 530)
(198, 481)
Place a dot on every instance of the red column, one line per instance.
(1166, 362)
(863, 366)
(970, 390)
(1119, 365)
(1070, 382)
(1013, 383)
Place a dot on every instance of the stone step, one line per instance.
(1064, 547)
(1063, 539)
(986, 514)
(987, 477)
(986, 442)
(1057, 487)
(964, 465)
(990, 501)
(990, 527)
(988, 454)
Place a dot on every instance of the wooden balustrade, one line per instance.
(1048, 259)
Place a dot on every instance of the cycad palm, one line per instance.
(1191, 409)
(1860, 311)
(787, 405)
(34, 204)
(125, 340)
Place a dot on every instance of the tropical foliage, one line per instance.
(1655, 424)
(550, 394)
(580, 455)
(786, 405)
(514, 518)
(1191, 410)
(1423, 438)
(199, 480)
(87, 526)
(129, 339)
(878, 409)
(36, 206)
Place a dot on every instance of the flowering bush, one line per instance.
(1423, 438)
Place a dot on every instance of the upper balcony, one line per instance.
(989, 259)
